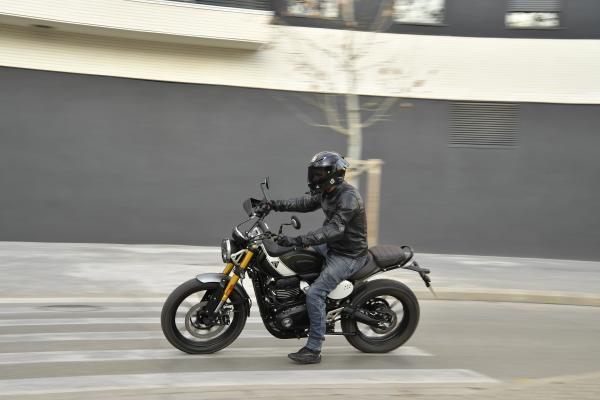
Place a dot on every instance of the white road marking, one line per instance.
(158, 300)
(93, 321)
(88, 310)
(79, 336)
(81, 300)
(77, 321)
(155, 249)
(98, 336)
(97, 383)
(166, 354)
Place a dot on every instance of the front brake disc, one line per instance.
(196, 328)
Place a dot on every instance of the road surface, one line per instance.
(57, 350)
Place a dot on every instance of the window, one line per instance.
(533, 14)
(430, 12)
(313, 8)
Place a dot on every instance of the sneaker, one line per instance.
(306, 356)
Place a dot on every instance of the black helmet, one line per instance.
(326, 169)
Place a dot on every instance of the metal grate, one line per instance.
(489, 125)
(534, 5)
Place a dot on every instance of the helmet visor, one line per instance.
(317, 175)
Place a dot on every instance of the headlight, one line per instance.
(226, 250)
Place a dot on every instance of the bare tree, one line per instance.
(346, 113)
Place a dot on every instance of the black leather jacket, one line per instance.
(344, 229)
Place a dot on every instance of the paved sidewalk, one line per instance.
(31, 269)
(532, 280)
(583, 387)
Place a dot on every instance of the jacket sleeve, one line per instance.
(334, 228)
(299, 204)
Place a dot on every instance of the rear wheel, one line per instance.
(395, 305)
(185, 326)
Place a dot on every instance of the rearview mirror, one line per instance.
(296, 222)
(264, 184)
(248, 207)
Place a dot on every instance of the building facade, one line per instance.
(149, 121)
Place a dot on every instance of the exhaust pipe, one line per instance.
(360, 316)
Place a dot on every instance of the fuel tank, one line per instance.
(303, 261)
(298, 262)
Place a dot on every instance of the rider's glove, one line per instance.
(263, 208)
(288, 241)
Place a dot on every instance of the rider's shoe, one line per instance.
(306, 356)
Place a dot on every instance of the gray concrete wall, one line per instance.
(100, 159)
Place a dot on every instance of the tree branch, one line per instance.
(387, 61)
(380, 113)
(310, 100)
(331, 112)
(302, 116)
(385, 14)
(383, 20)
(298, 37)
(326, 103)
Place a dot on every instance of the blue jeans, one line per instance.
(337, 268)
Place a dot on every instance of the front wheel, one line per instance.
(185, 327)
(395, 304)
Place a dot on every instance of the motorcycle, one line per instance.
(207, 313)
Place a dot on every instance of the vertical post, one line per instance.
(373, 199)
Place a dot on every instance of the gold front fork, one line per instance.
(228, 268)
(234, 279)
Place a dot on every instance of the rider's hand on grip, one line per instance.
(263, 208)
(288, 241)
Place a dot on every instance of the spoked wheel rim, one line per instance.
(190, 325)
(390, 310)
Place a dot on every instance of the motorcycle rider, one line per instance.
(342, 240)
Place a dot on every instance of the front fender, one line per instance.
(213, 277)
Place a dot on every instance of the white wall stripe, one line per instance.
(415, 66)
(159, 354)
(13, 387)
(159, 20)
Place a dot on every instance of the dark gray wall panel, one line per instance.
(539, 199)
(99, 159)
